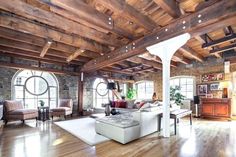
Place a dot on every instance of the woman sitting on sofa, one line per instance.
(154, 97)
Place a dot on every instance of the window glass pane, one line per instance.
(183, 81)
(189, 81)
(190, 88)
(37, 88)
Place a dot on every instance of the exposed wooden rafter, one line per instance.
(132, 67)
(125, 10)
(169, 6)
(75, 55)
(21, 66)
(145, 62)
(195, 24)
(190, 52)
(23, 9)
(217, 42)
(24, 26)
(87, 15)
(45, 48)
(222, 49)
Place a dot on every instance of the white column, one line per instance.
(165, 50)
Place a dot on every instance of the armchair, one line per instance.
(64, 109)
(13, 110)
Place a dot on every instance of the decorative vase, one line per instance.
(107, 110)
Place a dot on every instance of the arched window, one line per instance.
(100, 93)
(32, 86)
(144, 89)
(186, 84)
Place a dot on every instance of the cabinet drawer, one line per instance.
(208, 109)
(221, 110)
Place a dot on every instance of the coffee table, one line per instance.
(176, 115)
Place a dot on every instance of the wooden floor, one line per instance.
(203, 139)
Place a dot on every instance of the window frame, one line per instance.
(34, 73)
(186, 77)
(145, 84)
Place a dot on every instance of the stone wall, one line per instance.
(68, 86)
(196, 69)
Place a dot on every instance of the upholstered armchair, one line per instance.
(14, 110)
(65, 108)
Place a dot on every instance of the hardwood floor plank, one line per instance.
(204, 138)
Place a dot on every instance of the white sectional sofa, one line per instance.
(146, 122)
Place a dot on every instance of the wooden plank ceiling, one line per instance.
(91, 34)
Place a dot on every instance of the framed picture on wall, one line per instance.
(202, 89)
(212, 77)
(214, 86)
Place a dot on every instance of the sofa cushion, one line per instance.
(12, 105)
(121, 104)
(22, 111)
(66, 103)
(119, 121)
(60, 109)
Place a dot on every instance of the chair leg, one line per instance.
(71, 115)
(6, 122)
(23, 121)
(65, 116)
(52, 117)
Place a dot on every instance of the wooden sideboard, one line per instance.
(216, 108)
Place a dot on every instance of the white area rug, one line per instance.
(84, 129)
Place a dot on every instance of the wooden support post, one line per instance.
(80, 95)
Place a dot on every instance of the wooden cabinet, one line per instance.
(215, 108)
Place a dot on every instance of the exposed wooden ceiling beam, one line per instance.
(132, 67)
(45, 48)
(38, 41)
(145, 62)
(83, 13)
(180, 58)
(48, 60)
(169, 6)
(190, 52)
(201, 39)
(36, 49)
(75, 55)
(143, 70)
(23, 9)
(117, 71)
(223, 40)
(21, 66)
(27, 54)
(222, 49)
(148, 56)
(125, 10)
(18, 24)
(215, 16)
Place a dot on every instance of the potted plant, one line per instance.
(176, 96)
(41, 103)
(131, 93)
